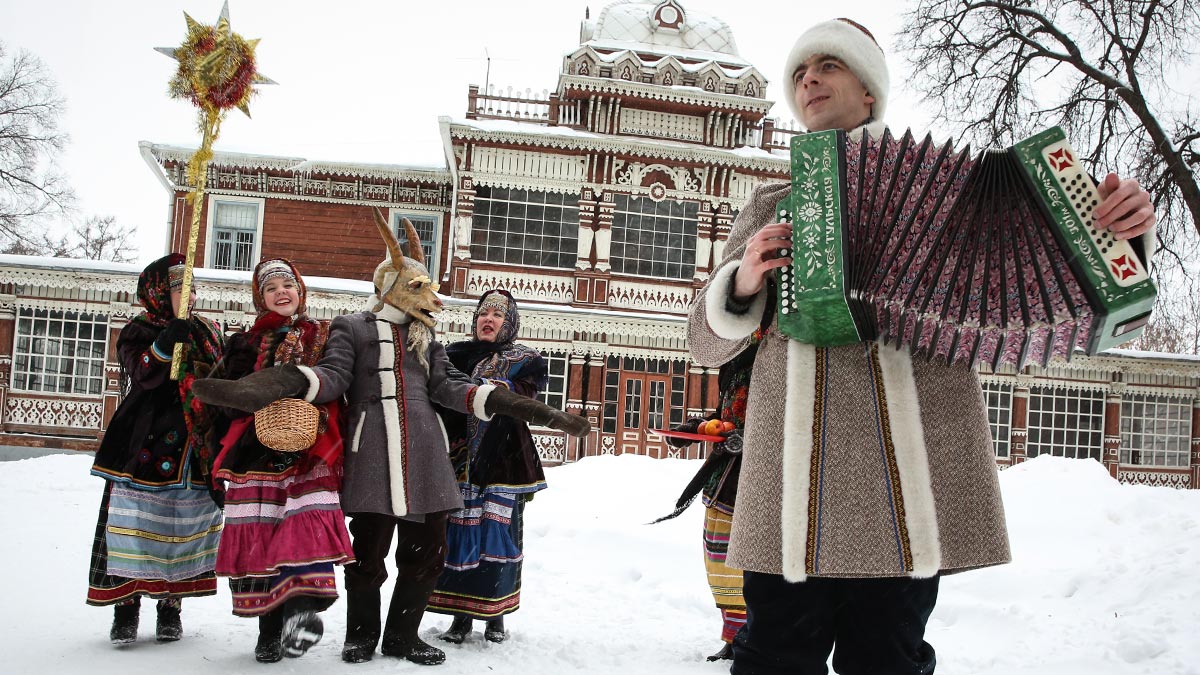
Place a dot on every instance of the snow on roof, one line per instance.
(1157, 356)
(632, 21)
(703, 58)
(428, 172)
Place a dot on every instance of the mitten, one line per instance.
(176, 331)
(504, 402)
(254, 391)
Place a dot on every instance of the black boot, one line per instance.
(400, 637)
(169, 626)
(270, 635)
(459, 629)
(302, 627)
(362, 625)
(125, 623)
(495, 630)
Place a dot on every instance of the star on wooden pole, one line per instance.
(217, 71)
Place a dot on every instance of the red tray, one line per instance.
(686, 435)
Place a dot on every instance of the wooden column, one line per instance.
(1018, 427)
(576, 364)
(1112, 428)
(8, 329)
(1195, 463)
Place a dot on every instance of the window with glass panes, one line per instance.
(653, 239)
(1065, 422)
(60, 352)
(1155, 430)
(426, 225)
(998, 397)
(652, 394)
(525, 227)
(555, 394)
(234, 231)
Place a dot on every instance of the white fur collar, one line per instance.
(389, 313)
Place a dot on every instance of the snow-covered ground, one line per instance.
(1106, 581)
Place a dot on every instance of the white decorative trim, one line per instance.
(252, 162)
(912, 462)
(797, 457)
(657, 92)
(746, 158)
(53, 412)
(631, 174)
(654, 297)
(551, 447)
(1179, 481)
(393, 432)
(523, 285)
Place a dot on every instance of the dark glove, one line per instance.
(504, 402)
(254, 391)
(176, 331)
(732, 445)
(688, 427)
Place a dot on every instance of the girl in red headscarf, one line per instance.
(284, 527)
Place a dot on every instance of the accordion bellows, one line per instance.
(988, 259)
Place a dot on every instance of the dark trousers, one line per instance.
(420, 550)
(872, 626)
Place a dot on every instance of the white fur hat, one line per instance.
(855, 46)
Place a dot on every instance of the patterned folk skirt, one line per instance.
(283, 535)
(482, 577)
(725, 582)
(157, 543)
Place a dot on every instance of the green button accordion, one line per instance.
(988, 259)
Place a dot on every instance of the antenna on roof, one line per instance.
(587, 13)
(488, 72)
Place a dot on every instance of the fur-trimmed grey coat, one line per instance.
(396, 459)
(858, 460)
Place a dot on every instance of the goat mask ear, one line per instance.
(414, 242)
(393, 246)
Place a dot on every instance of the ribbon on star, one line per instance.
(217, 72)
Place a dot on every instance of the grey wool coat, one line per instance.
(396, 458)
(858, 460)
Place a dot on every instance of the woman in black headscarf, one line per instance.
(498, 471)
(159, 524)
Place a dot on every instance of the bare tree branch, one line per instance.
(30, 184)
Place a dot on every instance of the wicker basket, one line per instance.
(287, 425)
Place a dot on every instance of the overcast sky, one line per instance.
(359, 80)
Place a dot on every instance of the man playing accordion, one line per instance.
(866, 474)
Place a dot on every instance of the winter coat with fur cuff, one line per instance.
(396, 461)
(858, 461)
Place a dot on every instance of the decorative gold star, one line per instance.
(216, 65)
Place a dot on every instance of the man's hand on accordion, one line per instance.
(1125, 208)
(767, 250)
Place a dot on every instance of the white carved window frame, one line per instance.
(40, 357)
(210, 245)
(433, 255)
(1157, 428)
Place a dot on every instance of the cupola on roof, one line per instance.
(662, 27)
